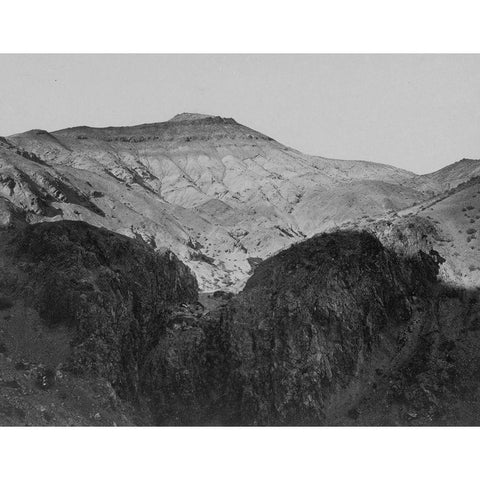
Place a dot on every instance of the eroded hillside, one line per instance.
(218, 194)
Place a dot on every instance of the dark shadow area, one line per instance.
(335, 330)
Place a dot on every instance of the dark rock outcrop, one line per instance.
(338, 329)
(113, 294)
(315, 322)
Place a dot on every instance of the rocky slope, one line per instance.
(340, 330)
(316, 322)
(99, 329)
(446, 223)
(449, 177)
(218, 194)
(335, 330)
(81, 309)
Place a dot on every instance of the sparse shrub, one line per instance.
(471, 231)
(201, 257)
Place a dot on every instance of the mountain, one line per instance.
(220, 195)
(356, 284)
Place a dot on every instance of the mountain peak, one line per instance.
(192, 117)
(188, 116)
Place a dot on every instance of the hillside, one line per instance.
(456, 216)
(98, 329)
(81, 310)
(447, 223)
(217, 193)
(449, 177)
(220, 195)
(339, 330)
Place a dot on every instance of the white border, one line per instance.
(207, 26)
(241, 26)
(239, 453)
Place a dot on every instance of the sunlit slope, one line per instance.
(218, 193)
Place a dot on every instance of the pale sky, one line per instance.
(418, 112)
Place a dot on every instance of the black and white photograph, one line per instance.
(198, 271)
(218, 240)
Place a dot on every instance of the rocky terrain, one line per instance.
(447, 223)
(81, 309)
(197, 272)
(218, 194)
(449, 177)
(99, 329)
(339, 330)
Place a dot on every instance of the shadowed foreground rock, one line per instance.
(110, 296)
(340, 330)
(334, 330)
(316, 322)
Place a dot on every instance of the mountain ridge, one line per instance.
(214, 191)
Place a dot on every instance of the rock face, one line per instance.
(438, 382)
(316, 322)
(337, 329)
(103, 299)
